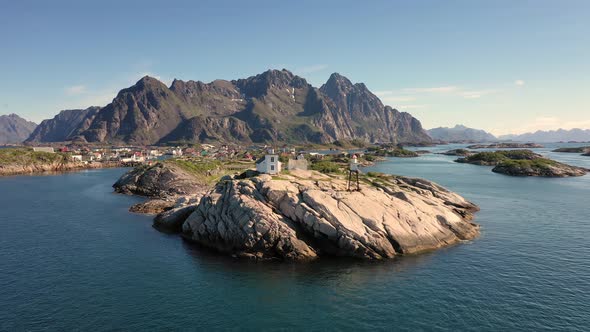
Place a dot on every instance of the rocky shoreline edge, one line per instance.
(304, 215)
(10, 170)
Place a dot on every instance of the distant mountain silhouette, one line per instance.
(460, 133)
(578, 135)
(14, 129)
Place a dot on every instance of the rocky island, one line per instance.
(302, 215)
(458, 152)
(582, 149)
(522, 163)
(538, 167)
(505, 146)
(389, 150)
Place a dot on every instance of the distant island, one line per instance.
(584, 150)
(522, 163)
(507, 145)
(460, 134)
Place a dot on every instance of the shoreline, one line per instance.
(48, 169)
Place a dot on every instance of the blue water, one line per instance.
(73, 258)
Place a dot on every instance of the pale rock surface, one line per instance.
(306, 214)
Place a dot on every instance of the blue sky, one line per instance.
(504, 66)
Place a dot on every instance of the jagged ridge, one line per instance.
(275, 106)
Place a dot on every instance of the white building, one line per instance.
(76, 157)
(133, 159)
(43, 149)
(269, 164)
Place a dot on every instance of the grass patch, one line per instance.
(209, 170)
(26, 156)
(539, 163)
(494, 157)
(326, 166)
(390, 151)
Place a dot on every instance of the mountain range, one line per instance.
(560, 135)
(275, 106)
(14, 129)
(460, 133)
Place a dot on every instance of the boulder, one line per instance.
(152, 206)
(172, 220)
(162, 180)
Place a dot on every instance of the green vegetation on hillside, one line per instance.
(209, 170)
(541, 163)
(26, 156)
(494, 157)
(326, 166)
(391, 151)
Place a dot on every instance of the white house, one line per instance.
(76, 157)
(269, 164)
(133, 159)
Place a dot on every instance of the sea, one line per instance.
(72, 258)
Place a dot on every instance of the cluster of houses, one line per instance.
(269, 163)
(112, 154)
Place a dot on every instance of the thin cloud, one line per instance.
(383, 93)
(312, 69)
(408, 94)
(439, 89)
(475, 94)
(75, 90)
(397, 99)
(519, 82)
(411, 106)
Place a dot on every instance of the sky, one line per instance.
(503, 66)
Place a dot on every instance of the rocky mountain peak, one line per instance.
(259, 85)
(14, 129)
(337, 85)
(149, 81)
(275, 105)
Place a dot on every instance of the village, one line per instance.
(265, 158)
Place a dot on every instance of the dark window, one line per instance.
(272, 159)
(272, 167)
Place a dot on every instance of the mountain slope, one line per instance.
(579, 135)
(275, 106)
(460, 133)
(14, 129)
(64, 125)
